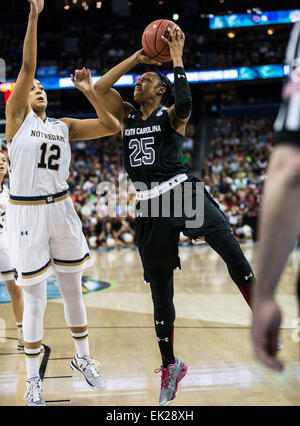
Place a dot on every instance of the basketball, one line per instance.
(154, 46)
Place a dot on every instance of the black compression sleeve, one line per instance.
(182, 94)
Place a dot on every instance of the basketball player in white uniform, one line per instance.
(45, 233)
(6, 266)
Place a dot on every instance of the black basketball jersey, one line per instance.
(152, 148)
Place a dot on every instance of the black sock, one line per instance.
(166, 348)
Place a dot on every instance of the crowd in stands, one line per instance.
(94, 45)
(235, 171)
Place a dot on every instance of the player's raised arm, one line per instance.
(181, 110)
(105, 125)
(18, 106)
(110, 98)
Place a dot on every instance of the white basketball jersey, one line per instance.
(39, 157)
(4, 197)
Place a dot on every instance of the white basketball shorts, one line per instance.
(6, 267)
(45, 238)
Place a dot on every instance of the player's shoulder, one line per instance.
(131, 113)
(64, 122)
(58, 121)
(15, 128)
(54, 120)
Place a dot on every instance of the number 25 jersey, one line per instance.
(152, 148)
(39, 157)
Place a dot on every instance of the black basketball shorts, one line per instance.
(157, 237)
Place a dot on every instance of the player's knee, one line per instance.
(14, 290)
(73, 298)
(35, 300)
(160, 267)
(225, 244)
(34, 309)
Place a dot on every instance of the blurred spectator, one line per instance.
(234, 172)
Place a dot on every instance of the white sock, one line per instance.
(81, 342)
(20, 329)
(32, 357)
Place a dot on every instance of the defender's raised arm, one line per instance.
(105, 125)
(18, 106)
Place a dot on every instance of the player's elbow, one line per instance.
(115, 129)
(100, 87)
(29, 67)
(183, 109)
(112, 127)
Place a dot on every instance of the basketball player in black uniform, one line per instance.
(280, 218)
(153, 137)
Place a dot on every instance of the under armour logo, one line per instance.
(49, 199)
(163, 340)
(24, 233)
(161, 322)
(131, 115)
(248, 276)
(139, 214)
(181, 76)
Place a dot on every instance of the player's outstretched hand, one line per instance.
(83, 80)
(265, 331)
(175, 42)
(142, 58)
(37, 6)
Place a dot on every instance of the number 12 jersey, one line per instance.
(39, 157)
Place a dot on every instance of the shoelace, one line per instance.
(33, 392)
(165, 377)
(92, 364)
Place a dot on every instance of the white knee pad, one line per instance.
(70, 288)
(35, 300)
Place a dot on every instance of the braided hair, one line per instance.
(168, 97)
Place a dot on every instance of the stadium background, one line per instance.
(229, 137)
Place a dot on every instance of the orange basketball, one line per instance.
(154, 46)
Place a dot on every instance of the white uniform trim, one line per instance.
(162, 188)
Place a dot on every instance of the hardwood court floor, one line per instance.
(212, 336)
